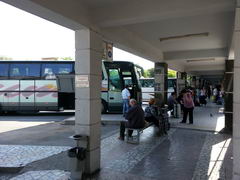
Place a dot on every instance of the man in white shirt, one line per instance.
(125, 97)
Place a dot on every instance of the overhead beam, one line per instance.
(195, 54)
(45, 13)
(175, 66)
(152, 10)
(202, 68)
(212, 76)
(208, 74)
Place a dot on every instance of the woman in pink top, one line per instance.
(188, 105)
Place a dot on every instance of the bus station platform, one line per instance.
(199, 151)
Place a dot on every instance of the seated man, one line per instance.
(134, 117)
(151, 112)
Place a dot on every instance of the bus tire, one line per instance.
(103, 107)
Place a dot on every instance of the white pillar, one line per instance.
(88, 67)
(236, 97)
(161, 84)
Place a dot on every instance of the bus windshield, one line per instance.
(147, 85)
(147, 82)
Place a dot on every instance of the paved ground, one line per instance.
(185, 153)
(209, 117)
(41, 129)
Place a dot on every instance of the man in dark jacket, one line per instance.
(134, 117)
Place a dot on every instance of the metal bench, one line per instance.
(164, 126)
(131, 139)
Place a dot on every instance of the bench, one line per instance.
(130, 139)
(163, 128)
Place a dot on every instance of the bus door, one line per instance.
(115, 89)
(128, 80)
(27, 98)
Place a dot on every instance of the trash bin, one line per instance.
(77, 152)
(77, 156)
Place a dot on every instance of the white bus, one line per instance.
(147, 85)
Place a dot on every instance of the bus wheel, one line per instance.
(104, 108)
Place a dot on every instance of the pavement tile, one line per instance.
(21, 155)
(43, 175)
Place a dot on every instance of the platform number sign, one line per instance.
(108, 51)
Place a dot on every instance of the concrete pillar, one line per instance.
(194, 82)
(183, 76)
(236, 97)
(197, 82)
(88, 68)
(228, 98)
(161, 84)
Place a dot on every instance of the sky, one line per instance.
(24, 36)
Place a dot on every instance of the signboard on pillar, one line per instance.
(82, 81)
(108, 51)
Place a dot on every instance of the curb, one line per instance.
(103, 122)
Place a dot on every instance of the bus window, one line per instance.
(150, 83)
(147, 82)
(24, 70)
(4, 70)
(49, 70)
(128, 81)
(127, 78)
(114, 80)
(126, 73)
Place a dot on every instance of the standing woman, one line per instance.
(188, 106)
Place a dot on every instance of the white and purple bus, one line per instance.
(50, 85)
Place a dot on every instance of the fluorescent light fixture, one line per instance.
(205, 34)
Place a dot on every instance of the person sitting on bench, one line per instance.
(150, 113)
(134, 117)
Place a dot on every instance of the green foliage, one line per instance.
(149, 73)
(172, 73)
(146, 74)
(65, 58)
(5, 58)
